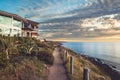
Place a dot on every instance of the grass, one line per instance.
(26, 68)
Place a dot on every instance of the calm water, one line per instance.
(102, 50)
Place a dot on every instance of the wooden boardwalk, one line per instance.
(57, 70)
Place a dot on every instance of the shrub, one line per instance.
(22, 50)
(46, 56)
(39, 44)
(3, 60)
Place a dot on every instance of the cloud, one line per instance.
(44, 35)
(47, 10)
(58, 8)
(63, 18)
(73, 29)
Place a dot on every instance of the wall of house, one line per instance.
(10, 26)
(26, 33)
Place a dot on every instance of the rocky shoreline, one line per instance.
(108, 69)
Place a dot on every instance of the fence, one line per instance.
(67, 56)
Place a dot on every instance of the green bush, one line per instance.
(39, 44)
(3, 60)
(22, 49)
(46, 56)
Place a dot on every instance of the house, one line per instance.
(30, 29)
(14, 25)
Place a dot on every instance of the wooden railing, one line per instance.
(66, 55)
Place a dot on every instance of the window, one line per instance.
(28, 34)
(17, 23)
(5, 20)
(26, 25)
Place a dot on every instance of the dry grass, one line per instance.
(29, 68)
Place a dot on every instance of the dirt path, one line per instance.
(57, 71)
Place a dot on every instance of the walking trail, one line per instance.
(57, 70)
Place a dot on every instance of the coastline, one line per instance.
(106, 66)
(109, 68)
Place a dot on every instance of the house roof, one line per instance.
(17, 17)
(3, 13)
(33, 22)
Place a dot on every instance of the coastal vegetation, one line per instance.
(24, 58)
(79, 64)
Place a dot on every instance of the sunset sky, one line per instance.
(69, 19)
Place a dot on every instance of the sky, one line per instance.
(65, 18)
